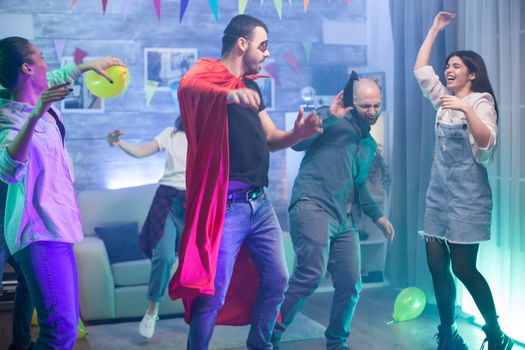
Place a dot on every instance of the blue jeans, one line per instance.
(23, 308)
(254, 224)
(164, 253)
(320, 243)
(51, 275)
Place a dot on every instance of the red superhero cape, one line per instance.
(202, 98)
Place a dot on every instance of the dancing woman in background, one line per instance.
(160, 235)
(459, 198)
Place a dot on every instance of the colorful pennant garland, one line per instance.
(79, 55)
(183, 6)
(290, 59)
(279, 7)
(151, 87)
(307, 50)
(126, 6)
(157, 8)
(59, 48)
(242, 6)
(272, 70)
(214, 4)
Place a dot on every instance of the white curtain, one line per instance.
(496, 30)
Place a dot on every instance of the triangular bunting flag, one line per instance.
(305, 5)
(290, 58)
(307, 50)
(157, 8)
(59, 48)
(279, 7)
(174, 87)
(214, 4)
(126, 6)
(242, 6)
(183, 6)
(104, 5)
(272, 70)
(151, 87)
(79, 55)
(347, 2)
(73, 2)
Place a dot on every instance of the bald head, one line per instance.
(366, 88)
(367, 100)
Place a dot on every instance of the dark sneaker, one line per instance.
(276, 339)
(496, 340)
(448, 338)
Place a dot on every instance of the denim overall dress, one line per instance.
(459, 198)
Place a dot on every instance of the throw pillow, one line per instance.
(121, 242)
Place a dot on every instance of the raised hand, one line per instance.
(245, 97)
(337, 107)
(113, 137)
(304, 127)
(50, 95)
(443, 19)
(100, 65)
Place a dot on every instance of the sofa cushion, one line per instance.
(131, 273)
(121, 242)
(107, 206)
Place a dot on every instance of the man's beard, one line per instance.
(254, 68)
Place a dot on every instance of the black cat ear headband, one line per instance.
(348, 92)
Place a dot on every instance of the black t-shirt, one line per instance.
(3, 198)
(249, 152)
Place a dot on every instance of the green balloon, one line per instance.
(409, 304)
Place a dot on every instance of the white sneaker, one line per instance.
(147, 325)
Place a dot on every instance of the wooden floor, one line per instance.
(371, 329)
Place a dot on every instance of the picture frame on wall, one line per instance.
(267, 86)
(81, 100)
(167, 66)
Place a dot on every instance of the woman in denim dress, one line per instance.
(459, 198)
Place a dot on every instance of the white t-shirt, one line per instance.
(176, 146)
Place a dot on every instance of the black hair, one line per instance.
(179, 126)
(475, 64)
(14, 51)
(240, 26)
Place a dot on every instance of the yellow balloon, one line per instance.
(34, 319)
(100, 87)
(82, 331)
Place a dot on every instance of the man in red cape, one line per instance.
(229, 220)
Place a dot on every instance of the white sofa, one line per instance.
(110, 291)
(113, 291)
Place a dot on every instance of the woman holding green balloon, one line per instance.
(459, 199)
(43, 221)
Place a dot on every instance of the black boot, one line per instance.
(496, 339)
(448, 338)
